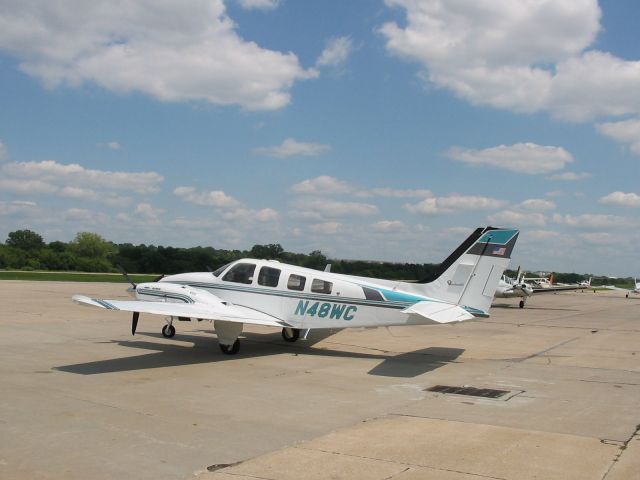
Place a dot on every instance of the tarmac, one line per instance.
(81, 398)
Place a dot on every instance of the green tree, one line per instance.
(92, 251)
(271, 251)
(25, 240)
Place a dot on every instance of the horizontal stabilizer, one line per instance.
(439, 312)
(218, 311)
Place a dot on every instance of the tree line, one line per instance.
(89, 252)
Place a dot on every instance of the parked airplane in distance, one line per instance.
(635, 290)
(524, 287)
(297, 299)
(514, 287)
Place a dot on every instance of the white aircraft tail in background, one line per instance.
(297, 299)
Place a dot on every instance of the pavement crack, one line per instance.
(621, 450)
(408, 464)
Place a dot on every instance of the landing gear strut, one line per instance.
(290, 334)
(230, 349)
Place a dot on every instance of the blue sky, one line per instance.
(367, 129)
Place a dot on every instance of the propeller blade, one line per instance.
(126, 275)
(134, 322)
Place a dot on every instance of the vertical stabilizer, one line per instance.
(470, 275)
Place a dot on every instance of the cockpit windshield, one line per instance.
(216, 273)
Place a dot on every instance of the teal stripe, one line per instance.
(500, 237)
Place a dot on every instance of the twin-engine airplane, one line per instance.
(296, 299)
(525, 287)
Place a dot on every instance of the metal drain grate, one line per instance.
(470, 391)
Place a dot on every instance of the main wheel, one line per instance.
(231, 349)
(290, 334)
(521, 303)
(168, 331)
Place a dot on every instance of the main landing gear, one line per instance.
(169, 331)
(290, 334)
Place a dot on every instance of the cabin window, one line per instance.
(372, 294)
(296, 282)
(269, 277)
(320, 286)
(240, 273)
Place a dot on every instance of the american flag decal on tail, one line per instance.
(499, 251)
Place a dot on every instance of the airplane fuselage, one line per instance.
(302, 297)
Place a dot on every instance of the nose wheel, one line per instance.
(230, 349)
(168, 331)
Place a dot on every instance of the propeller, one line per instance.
(134, 322)
(126, 275)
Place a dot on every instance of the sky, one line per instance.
(367, 129)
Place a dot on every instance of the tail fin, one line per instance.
(470, 275)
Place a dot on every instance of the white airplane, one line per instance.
(297, 299)
(525, 287)
(634, 290)
(514, 287)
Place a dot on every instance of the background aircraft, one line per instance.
(297, 299)
(524, 287)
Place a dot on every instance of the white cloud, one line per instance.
(58, 175)
(625, 132)
(325, 228)
(518, 219)
(173, 51)
(211, 198)
(3, 151)
(524, 56)
(598, 238)
(17, 207)
(528, 158)
(320, 209)
(590, 220)
(454, 203)
(113, 145)
(324, 185)
(537, 205)
(399, 193)
(259, 4)
(291, 148)
(569, 176)
(24, 187)
(245, 215)
(336, 53)
(621, 198)
(389, 226)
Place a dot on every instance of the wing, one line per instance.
(205, 311)
(562, 288)
(439, 312)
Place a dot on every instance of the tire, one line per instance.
(521, 303)
(290, 334)
(168, 331)
(231, 349)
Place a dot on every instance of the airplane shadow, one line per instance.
(205, 350)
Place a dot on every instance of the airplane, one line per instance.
(514, 287)
(524, 287)
(297, 299)
(635, 290)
